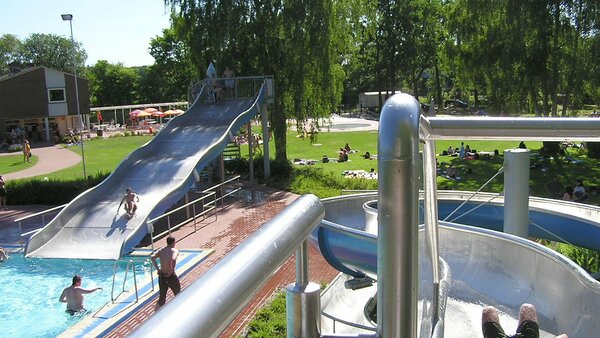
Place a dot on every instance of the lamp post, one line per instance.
(69, 17)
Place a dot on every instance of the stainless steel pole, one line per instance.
(77, 98)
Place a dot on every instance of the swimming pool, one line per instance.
(30, 289)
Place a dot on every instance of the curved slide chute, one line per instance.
(486, 267)
(160, 172)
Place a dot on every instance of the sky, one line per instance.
(118, 31)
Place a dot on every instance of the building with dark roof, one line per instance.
(41, 103)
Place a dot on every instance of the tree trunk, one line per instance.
(438, 85)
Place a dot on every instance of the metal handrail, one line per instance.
(236, 278)
(345, 322)
(130, 263)
(39, 213)
(222, 186)
(182, 223)
(206, 209)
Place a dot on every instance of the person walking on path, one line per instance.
(167, 278)
(2, 194)
(26, 152)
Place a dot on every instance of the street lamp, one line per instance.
(69, 17)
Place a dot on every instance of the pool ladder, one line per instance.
(130, 264)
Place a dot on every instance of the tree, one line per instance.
(168, 78)
(113, 84)
(52, 51)
(9, 52)
(293, 40)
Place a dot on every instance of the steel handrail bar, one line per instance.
(236, 278)
(221, 186)
(130, 262)
(153, 220)
(177, 226)
(211, 205)
(345, 322)
(39, 213)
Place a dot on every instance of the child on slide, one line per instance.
(130, 200)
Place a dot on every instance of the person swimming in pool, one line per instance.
(73, 296)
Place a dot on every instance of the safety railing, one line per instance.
(223, 191)
(345, 322)
(206, 208)
(41, 214)
(207, 203)
(236, 278)
(130, 264)
(245, 87)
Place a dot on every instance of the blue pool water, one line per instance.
(30, 289)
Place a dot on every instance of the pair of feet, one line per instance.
(528, 323)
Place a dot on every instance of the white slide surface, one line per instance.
(160, 172)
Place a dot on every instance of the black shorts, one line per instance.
(527, 329)
(76, 312)
(2, 192)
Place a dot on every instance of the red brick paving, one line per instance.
(234, 224)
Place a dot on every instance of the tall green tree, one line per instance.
(113, 84)
(171, 74)
(9, 52)
(52, 51)
(292, 40)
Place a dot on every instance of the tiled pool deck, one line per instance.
(235, 223)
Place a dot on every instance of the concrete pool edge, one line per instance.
(112, 314)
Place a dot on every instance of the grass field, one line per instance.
(104, 155)
(12, 163)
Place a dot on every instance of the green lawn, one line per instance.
(12, 163)
(102, 155)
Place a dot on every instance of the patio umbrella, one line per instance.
(135, 113)
(143, 114)
(179, 111)
(158, 113)
(171, 112)
(150, 110)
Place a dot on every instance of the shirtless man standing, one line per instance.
(73, 296)
(166, 273)
(130, 200)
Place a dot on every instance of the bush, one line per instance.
(588, 259)
(270, 321)
(15, 147)
(48, 192)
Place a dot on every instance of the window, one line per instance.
(56, 95)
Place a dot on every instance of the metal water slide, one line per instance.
(485, 267)
(160, 172)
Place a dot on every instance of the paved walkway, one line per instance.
(51, 158)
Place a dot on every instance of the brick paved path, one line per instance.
(236, 223)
